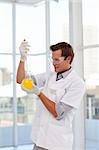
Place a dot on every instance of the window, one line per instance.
(91, 70)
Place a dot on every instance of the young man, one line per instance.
(62, 93)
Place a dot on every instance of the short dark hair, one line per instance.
(66, 48)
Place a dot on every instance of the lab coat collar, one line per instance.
(63, 74)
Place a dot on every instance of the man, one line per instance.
(59, 100)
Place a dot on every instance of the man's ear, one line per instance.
(68, 59)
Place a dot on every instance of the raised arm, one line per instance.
(20, 72)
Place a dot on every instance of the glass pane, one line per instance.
(59, 21)
(30, 25)
(90, 22)
(6, 62)
(26, 106)
(91, 73)
(26, 109)
(35, 64)
(6, 101)
(5, 28)
(91, 64)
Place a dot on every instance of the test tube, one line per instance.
(26, 63)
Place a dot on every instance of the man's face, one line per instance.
(58, 61)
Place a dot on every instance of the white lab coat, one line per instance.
(48, 132)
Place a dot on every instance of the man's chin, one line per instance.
(56, 70)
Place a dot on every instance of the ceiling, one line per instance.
(33, 2)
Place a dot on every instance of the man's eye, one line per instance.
(56, 59)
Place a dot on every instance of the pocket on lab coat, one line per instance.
(60, 138)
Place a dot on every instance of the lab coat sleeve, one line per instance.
(74, 94)
(62, 109)
(39, 79)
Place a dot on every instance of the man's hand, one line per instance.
(35, 90)
(24, 48)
